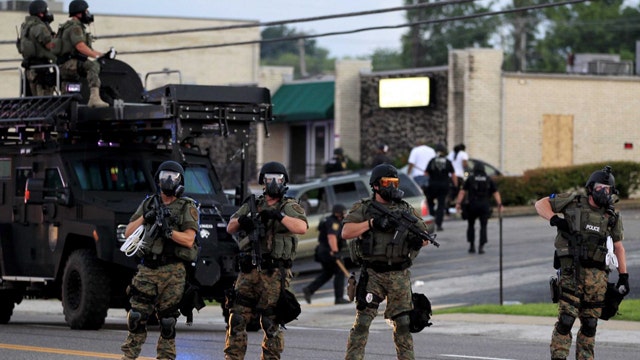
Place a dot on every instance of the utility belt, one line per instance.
(154, 261)
(27, 63)
(382, 267)
(245, 261)
(66, 57)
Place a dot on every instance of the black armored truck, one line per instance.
(71, 176)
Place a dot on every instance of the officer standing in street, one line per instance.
(76, 50)
(385, 264)
(580, 255)
(265, 266)
(440, 171)
(330, 242)
(160, 281)
(478, 189)
(35, 45)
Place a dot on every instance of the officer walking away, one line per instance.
(160, 280)
(265, 261)
(337, 163)
(440, 171)
(460, 160)
(385, 263)
(36, 44)
(580, 255)
(330, 243)
(381, 156)
(478, 189)
(76, 50)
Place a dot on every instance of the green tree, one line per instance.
(429, 44)
(605, 26)
(287, 52)
(386, 59)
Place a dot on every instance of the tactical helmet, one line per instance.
(172, 185)
(380, 171)
(338, 209)
(77, 6)
(273, 167)
(612, 300)
(603, 176)
(421, 314)
(38, 7)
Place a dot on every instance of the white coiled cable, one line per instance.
(134, 242)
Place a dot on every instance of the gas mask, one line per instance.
(86, 18)
(601, 195)
(170, 183)
(388, 189)
(274, 185)
(47, 17)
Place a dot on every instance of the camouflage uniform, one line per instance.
(159, 283)
(582, 296)
(388, 278)
(38, 34)
(258, 291)
(72, 63)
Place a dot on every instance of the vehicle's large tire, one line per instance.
(85, 291)
(6, 308)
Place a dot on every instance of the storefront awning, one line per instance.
(304, 101)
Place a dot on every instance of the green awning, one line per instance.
(304, 101)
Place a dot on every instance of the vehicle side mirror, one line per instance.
(34, 191)
(63, 196)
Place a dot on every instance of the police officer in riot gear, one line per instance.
(160, 281)
(478, 189)
(35, 45)
(261, 278)
(385, 265)
(582, 232)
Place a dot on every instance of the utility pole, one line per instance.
(303, 62)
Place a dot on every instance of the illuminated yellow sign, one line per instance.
(404, 92)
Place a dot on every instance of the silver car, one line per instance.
(318, 197)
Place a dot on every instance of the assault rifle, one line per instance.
(404, 222)
(162, 215)
(256, 234)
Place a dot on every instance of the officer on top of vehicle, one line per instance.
(265, 260)
(583, 231)
(36, 44)
(385, 265)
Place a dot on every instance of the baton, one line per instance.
(342, 267)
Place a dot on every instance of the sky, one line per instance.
(341, 46)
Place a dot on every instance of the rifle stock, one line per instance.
(404, 222)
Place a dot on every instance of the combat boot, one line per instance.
(472, 249)
(481, 249)
(94, 99)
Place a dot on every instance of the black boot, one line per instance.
(481, 249)
(307, 295)
(472, 249)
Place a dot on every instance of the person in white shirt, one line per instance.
(418, 160)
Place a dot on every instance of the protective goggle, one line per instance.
(279, 178)
(600, 187)
(168, 175)
(389, 181)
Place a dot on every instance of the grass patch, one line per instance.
(629, 310)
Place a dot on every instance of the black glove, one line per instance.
(168, 233)
(269, 214)
(150, 216)
(623, 284)
(246, 223)
(560, 223)
(381, 223)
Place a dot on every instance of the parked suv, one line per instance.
(318, 197)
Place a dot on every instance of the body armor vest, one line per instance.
(278, 242)
(375, 244)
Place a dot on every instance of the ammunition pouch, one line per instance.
(187, 254)
(284, 247)
(355, 251)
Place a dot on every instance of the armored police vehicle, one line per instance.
(71, 176)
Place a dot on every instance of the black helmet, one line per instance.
(603, 176)
(38, 7)
(77, 6)
(380, 171)
(170, 177)
(273, 167)
(338, 209)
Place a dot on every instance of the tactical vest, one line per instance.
(590, 230)
(479, 188)
(64, 47)
(375, 244)
(28, 46)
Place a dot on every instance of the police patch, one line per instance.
(335, 226)
(297, 208)
(194, 213)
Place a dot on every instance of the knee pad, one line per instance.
(564, 324)
(269, 326)
(136, 322)
(402, 324)
(588, 327)
(168, 328)
(363, 322)
(236, 323)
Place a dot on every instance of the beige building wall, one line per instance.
(207, 66)
(347, 105)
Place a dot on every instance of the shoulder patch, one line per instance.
(356, 206)
(297, 208)
(193, 212)
(335, 226)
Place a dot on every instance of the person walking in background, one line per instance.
(460, 161)
(337, 163)
(381, 156)
(419, 157)
(330, 242)
(587, 224)
(478, 189)
(440, 172)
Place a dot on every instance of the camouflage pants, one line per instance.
(395, 287)
(592, 287)
(37, 88)
(160, 290)
(90, 69)
(259, 292)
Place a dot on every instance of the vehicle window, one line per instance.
(5, 169)
(350, 192)
(110, 175)
(314, 201)
(22, 174)
(409, 187)
(197, 181)
(52, 181)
